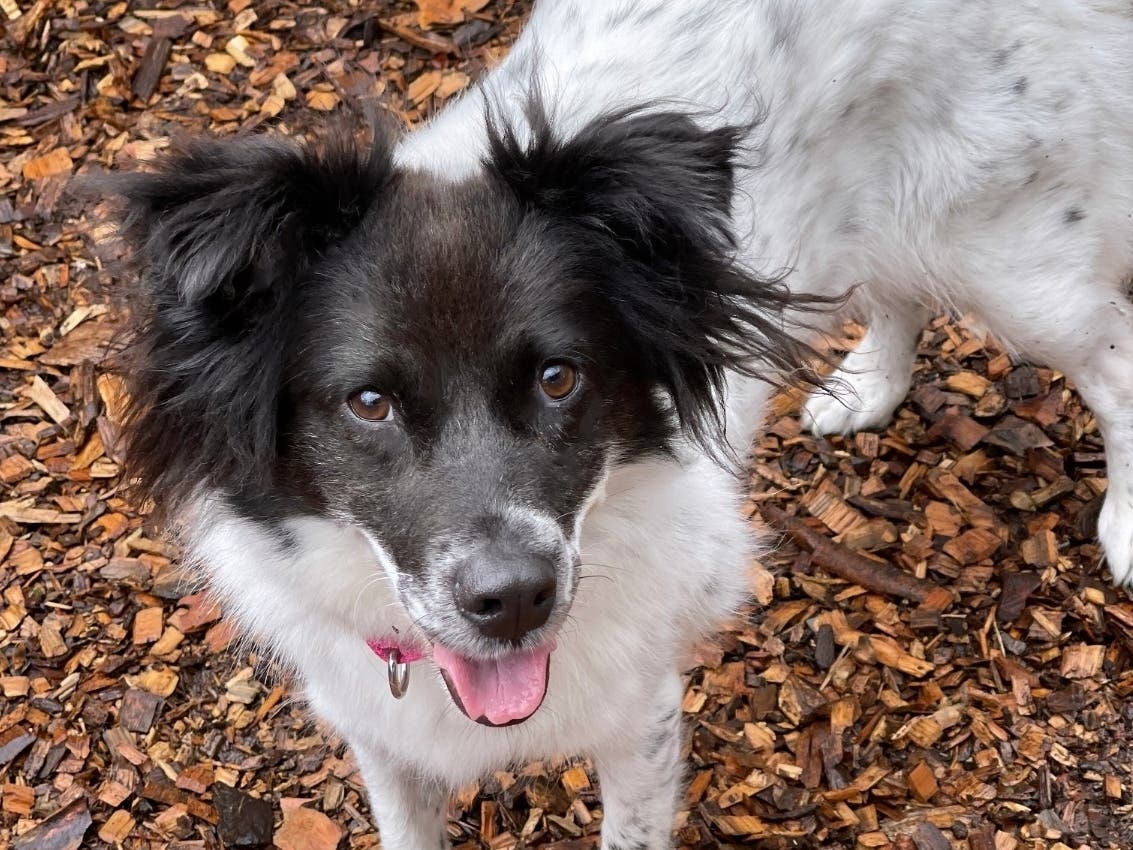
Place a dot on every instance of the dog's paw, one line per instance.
(1115, 531)
(853, 401)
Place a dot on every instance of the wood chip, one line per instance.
(17, 799)
(152, 67)
(575, 780)
(306, 829)
(159, 681)
(148, 625)
(424, 86)
(922, 782)
(928, 836)
(61, 831)
(57, 161)
(1082, 661)
(138, 711)
(237, 48)
(43, 395)
(799, 701)
(220, 63)
(974, 545)
(117, 827)
(1040, 550)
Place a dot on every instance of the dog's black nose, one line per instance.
(506, 595)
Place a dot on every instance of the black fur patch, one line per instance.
(646, 197)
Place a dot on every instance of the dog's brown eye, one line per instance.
(558, 380)
(370, 405)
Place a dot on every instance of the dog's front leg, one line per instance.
(641, 775)
(409, 810)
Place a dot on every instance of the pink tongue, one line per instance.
(498, 692)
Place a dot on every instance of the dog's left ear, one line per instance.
(651, 193)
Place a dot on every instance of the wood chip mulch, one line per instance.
(975, 699)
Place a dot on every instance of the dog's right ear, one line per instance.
(219, 234)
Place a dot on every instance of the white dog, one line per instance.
(457, 403)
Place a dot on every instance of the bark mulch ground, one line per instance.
(977, 698)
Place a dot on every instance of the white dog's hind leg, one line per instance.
(1085, 330)
(1102, 370)
(640, 775)
(873, 379)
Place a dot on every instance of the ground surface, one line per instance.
(993, 715)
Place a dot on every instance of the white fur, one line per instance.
(873, 379)
(899, 150)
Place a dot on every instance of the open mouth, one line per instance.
(500, 692)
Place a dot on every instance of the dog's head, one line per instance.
(451, 367)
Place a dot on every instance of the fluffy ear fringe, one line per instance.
(653, 192)
(219, 234)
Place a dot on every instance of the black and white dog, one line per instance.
(462, 403)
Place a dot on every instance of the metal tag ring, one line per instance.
(398, 674)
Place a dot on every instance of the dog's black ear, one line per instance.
(652, 192)
(219, 234)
